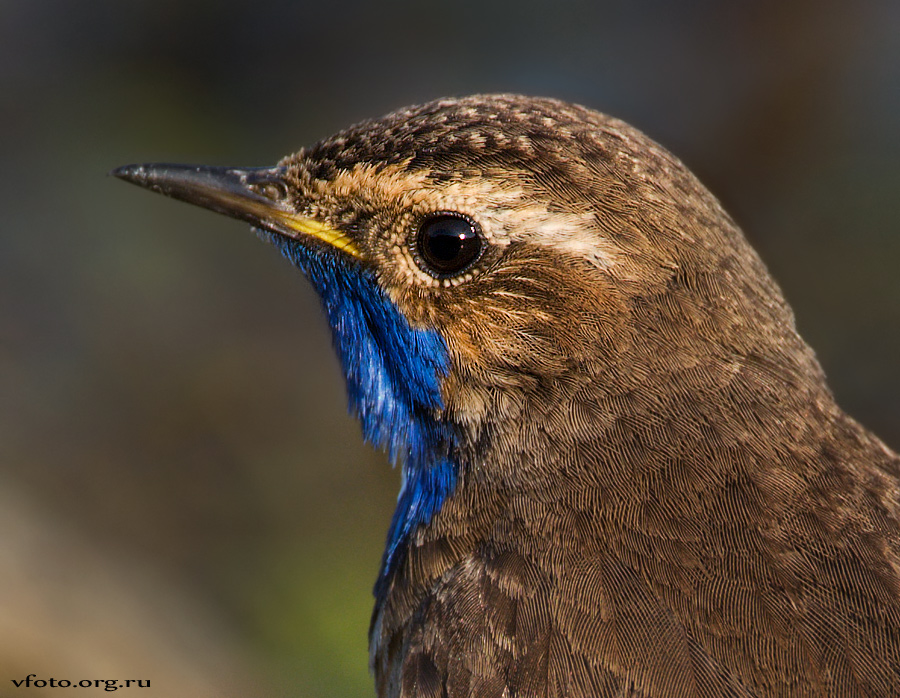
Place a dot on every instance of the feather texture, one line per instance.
(625, 474)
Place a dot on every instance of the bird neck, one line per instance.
(393, 373)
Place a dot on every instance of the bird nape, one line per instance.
(623, 471)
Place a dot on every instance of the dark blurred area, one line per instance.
(184, 498)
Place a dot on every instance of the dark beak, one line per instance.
(257, 195)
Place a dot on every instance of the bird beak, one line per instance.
(257, 195)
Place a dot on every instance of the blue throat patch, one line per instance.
(393, 374)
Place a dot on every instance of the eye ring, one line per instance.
(447, 243)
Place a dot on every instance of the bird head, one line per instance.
(494, 257)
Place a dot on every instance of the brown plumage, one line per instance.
(656, 494)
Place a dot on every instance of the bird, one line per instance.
(623, 471)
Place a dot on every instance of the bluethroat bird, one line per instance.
(623, 471)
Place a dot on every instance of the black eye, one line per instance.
(447, 243)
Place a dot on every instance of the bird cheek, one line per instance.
(468, 404)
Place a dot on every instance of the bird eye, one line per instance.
(447, 243)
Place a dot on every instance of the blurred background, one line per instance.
(183, 498)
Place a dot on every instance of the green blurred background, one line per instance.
(183, 497)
